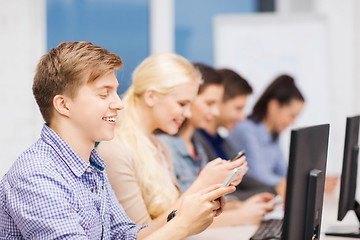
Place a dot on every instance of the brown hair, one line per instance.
(63, 69)
(234, 84)
(283, 89)
(209, 76)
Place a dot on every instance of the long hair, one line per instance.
(282, 89)
(163, 73)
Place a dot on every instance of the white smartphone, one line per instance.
(238, 155)
(276, 200)
(232, 176)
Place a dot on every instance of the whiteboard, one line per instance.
(262, 46)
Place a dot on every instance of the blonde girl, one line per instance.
(139, 165)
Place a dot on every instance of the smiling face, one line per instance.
(94, 108)
(206, 106)
(169, 111)
(232, 111)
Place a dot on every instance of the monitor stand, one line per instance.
(314, 204)
(346, 231)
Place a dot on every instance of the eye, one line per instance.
(183, 104)
(104, 95)
(210, 103)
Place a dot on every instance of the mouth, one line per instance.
(178, 122)
(209, 119)
(109, 119)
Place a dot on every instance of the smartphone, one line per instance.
(238, 155)
(276, 200)
(232, 176)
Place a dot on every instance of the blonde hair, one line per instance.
(163, 73)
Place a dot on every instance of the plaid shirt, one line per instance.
(51, 193)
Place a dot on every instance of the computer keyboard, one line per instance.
(268, 229)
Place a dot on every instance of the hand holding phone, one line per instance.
(232, 176)
(238, 155)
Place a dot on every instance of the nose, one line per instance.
(187, 112)
(215, 110)
(116, 103)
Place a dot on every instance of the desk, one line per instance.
(329, 217)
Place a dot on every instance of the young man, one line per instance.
(58, 188)
(213, 138)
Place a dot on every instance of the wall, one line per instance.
(22, 42)
(261, 47)
(121, 27)
(343, 79)
(194, 25)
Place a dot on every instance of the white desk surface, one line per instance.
(329, 218)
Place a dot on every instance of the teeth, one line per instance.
(109, 119)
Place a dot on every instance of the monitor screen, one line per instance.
(347, 195)
(305, 182)
(349, 173)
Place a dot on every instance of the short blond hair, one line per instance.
(64, 68)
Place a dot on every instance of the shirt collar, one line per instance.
(214, 139)
(76, 164)
(266, 137)
(96, 161)
(180, 145)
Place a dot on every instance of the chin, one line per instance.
(172, 131)
(107, 137)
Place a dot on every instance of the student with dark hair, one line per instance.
(213, 136)
(276, 109)
(236, 91)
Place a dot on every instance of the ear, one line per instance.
(273, 106)
(150, 97)
(60, 103)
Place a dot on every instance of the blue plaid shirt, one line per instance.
(51, 193)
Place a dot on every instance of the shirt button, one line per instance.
(89, 223)
(88, 169)
(92, 189)
(102, 187)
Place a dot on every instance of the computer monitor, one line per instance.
(305, 183)
(347, 201)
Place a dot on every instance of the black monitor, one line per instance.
(347, 201)
(305, 183)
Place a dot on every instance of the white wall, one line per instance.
(344, 80)
(22, 42)
(260, 47)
